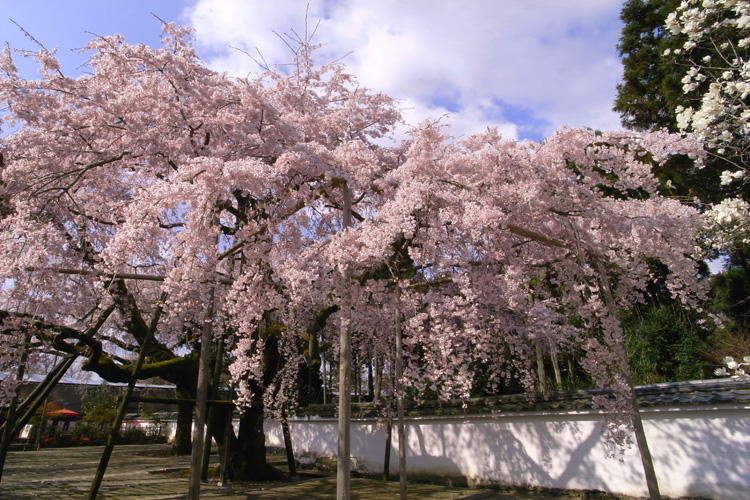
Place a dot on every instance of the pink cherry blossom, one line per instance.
(232, 190)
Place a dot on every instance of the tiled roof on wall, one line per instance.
(675, 394)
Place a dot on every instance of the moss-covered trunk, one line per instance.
(247, 450)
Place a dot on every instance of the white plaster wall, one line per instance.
(697, 452)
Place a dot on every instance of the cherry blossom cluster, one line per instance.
(267, 208)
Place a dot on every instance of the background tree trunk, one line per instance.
(181, 445)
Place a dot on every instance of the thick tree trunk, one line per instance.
(555, 365)
(182, 444)
(247, 454)
(541, 373)
(378, 378)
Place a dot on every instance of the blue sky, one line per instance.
(525, 66)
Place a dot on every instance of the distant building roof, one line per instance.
(36, 378)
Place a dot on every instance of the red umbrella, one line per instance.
(64, 412)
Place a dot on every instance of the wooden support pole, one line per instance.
(10, 417)
(288, 447)
(114, 432)
(177, 401)
(42, 426)
(227, 440)
(34, 400)
(115, 276)
(401, 428)
(343, 467)
(388, 444)
(649, 471)
(201, 397)
(214, 391)
(28, 407)
(640, 437)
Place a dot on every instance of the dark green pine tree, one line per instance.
(651, 88)
(665, 344)
(729, 302)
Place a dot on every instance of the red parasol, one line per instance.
(63, 412)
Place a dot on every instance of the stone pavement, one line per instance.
(66, 473)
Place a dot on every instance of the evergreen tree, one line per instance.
(651, 87)
(100, 409)
(730, 305)
(665, 341)
(670, 63)
(665, 344)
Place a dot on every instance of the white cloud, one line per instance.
(527, 66)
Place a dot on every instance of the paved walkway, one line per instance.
(66, 473)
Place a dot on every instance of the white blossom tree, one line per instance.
(717, 44)
(716, 47)
(734, 369)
